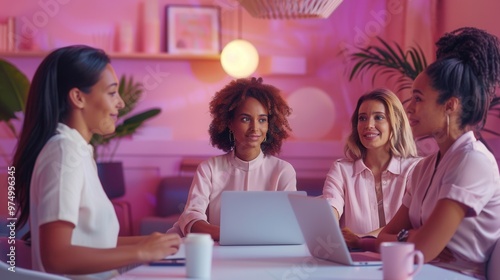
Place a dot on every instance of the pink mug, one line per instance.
(398, 260)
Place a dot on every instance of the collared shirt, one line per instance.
(229, 173)
(65, 187)
(350, 188)
(467, 173)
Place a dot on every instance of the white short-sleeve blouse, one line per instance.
(65, 187)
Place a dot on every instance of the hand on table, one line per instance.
(351, 239)
(158, 245)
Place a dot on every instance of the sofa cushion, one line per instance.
(157, 224)
(172, 195)
(313, 186)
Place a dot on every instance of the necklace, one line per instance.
(380, 204)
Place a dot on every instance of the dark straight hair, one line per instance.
(63, 69)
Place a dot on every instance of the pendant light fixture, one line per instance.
(290, 9)
(239, 58)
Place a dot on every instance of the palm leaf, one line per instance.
(131, 92)
(14, 86)
(130, 125)
(388, 61)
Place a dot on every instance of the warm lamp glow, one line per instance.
(239, 58)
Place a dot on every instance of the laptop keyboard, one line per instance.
(365, 256)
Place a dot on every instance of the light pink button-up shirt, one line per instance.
(350, 188)
(229, 173)
(468, 173)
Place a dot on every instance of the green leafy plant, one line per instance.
(14, 86)
(131, 92)
(404, 66)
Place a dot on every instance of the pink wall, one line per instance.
(322, 97)
(480, 14)
(185, 87)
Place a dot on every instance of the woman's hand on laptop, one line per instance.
(158, 245)
(351, 239)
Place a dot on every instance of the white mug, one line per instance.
(398, 260)
(198, 248)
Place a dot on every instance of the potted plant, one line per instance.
(14, 86)
(404, 66)
(105, 146)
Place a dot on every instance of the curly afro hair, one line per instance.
(227, 100)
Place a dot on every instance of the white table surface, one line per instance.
(277, 262)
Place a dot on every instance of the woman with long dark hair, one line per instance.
(73, 225)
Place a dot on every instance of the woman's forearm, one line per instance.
(205, 227)
(129, 240)
(58, 254)
(89, 260)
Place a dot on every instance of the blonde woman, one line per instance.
(366, 188)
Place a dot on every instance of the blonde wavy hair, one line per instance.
(401, 140)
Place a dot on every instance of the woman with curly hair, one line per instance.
(366, 188)
(249, 124)
(450, 211)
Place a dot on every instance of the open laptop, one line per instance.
(323, 235)
(258, 218)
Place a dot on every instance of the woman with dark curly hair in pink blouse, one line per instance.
(249, 124)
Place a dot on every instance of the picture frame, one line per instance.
(192, 29)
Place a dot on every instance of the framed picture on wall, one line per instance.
(192, 29)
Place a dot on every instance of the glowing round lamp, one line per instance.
(239, 58)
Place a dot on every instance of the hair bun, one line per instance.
(477, 49)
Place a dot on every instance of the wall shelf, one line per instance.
(158, 56)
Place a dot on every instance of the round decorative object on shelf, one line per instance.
(297, 9)
(239, 58)
(313, 115)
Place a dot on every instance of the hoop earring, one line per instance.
(231, 139)
(447, 125)
(265, 138)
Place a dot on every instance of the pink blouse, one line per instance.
(229, 173)
(350, 188)
(467, 173)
